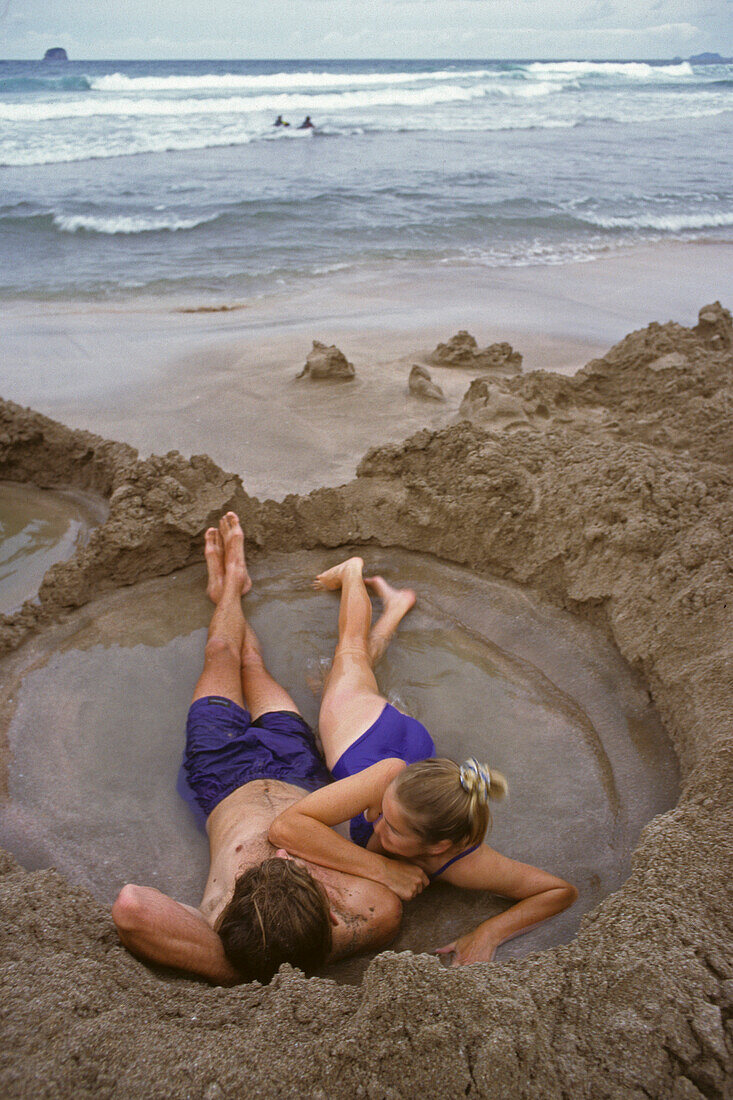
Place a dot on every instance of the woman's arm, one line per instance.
(540, 895)
(160, 930)
(305, 830)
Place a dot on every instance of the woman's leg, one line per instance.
(351, 700)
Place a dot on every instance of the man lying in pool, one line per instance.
(250, 755)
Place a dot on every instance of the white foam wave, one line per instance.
(125, 224)
(285, 102)
(674, 223)
(119, 82)
(632, 70)
(66, 152)
(528, 91)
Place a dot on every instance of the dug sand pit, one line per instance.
(494, 673)
(38, 528)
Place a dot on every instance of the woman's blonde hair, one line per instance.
(449, 801)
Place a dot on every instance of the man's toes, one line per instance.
(230, 527)
(212, 541)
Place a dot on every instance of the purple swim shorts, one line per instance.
(225, 749)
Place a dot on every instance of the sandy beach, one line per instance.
(223, 382)
(603, 493)
(350, 273)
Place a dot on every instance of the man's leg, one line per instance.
(260, 692)
(351, 700)
(228, 581)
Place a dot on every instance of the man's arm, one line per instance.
(160, 930)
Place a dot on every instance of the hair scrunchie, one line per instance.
(476, 776)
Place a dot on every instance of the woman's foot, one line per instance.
(235, 566)
(333, 578)
(394, 600)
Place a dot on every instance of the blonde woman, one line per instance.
(413, 817)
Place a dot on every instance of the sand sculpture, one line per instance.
(620, 512)
(327, 362)
(463, 351)
(420, 384)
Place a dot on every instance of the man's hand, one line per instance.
(404, 879)
(476, 946)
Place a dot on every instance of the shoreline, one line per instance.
(222, 381)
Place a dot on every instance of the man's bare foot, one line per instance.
(235, 566)
(214, 554)
(333, 578)
(397, 600)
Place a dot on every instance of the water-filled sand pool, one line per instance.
(95, 714)
(39, 527)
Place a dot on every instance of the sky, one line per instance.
(131, 29)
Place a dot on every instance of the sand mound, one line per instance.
(462, 350)
(615, 501)
(665, 385)
(420, 384)
(327, 362)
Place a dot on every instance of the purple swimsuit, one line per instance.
(393, 735)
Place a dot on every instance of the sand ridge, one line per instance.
(614, 500)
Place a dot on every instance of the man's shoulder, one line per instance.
(369, 916)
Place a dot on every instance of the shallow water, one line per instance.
(38, 527)
(96, 713)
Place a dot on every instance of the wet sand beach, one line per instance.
(223, 382)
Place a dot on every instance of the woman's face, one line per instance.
(393, 830)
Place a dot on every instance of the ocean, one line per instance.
(168, 178)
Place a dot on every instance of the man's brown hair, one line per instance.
(278, 914)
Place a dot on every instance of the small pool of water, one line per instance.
(39, 527)
(95, 715)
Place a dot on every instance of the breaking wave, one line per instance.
(671, 223)
(75, 223)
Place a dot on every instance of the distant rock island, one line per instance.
(704, 59)
(56, 53)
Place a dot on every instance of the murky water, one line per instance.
(96, 713)
(38, 527)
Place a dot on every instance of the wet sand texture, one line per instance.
(617, 507)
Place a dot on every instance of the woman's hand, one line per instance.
(476, 946)
(404, 879)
